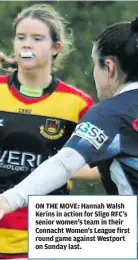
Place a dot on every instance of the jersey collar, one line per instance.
(130, 86)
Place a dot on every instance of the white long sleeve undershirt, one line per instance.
(50, 175)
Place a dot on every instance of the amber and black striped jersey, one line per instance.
(32, 130)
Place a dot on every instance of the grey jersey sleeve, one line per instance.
(50, 175)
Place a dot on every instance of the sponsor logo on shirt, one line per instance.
(19, 161)
(91, 133)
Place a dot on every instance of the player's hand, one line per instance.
(4, 207)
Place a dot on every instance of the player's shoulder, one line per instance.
(117, 104)
(67, 88)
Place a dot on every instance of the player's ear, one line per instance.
(111, 67)
(57, 48)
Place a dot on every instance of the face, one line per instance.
(33, 35)
(101, 77)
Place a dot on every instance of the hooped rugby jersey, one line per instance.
(32, 130)
(107, 136)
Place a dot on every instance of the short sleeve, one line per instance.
(97, 137)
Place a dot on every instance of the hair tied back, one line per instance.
(134, 25)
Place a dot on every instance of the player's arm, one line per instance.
(87, 173)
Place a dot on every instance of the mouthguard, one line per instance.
(27, 54)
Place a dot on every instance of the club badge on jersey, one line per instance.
(52, 129)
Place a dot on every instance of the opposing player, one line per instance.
(38, 112)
